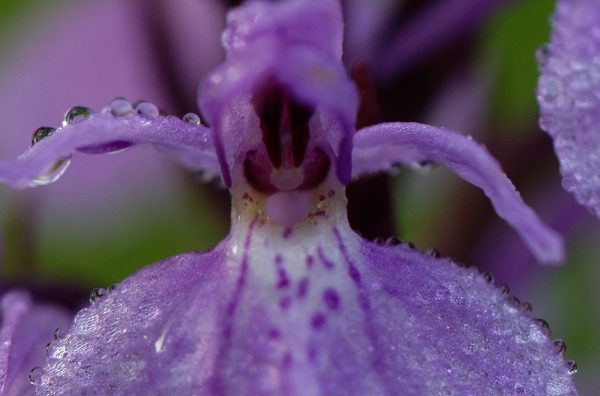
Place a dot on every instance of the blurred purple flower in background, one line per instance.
(569, 97)
(292, 301)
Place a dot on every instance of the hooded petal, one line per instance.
(109, 131)
(26, 328)
(319, 312)
(569, 97)
(381, 147)
(297, 44)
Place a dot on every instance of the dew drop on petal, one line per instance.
(59, 334)
(120, 107)
(192, 118)
(35, 375)
(147, 109)
(53, 173)
(41, 133)
(559, 345)
(572, 367)
(544, 326)
(505, 290)
(75, 115)
(489, 278)
(96, 294)
(527, 306)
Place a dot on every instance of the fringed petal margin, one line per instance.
(187, 142)
(381, 147)
(26, 328)
(569, 97)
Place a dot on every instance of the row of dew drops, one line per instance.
(36, 373)
(559, 345)
(118, 107)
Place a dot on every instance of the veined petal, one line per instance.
(569, 97)
(319, 312)
(189, 143)
(381, 147)
(26, 328)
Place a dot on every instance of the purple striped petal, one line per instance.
(381, 147)
(189, 143)
(569, 97)
(319, 312)
(26, 328)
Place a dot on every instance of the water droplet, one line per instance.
(542, 54)
(543, 325)
(97, 294)
(75, 115)
(505, 290)
(52, 173)
(514, 301)
(527, 306)
(433, 252)
(146, 108)
(41, 133)
(559, 345)
(120, 107)
(59, 334)
(489, 278)
(191, 118)
(35, 375)
(393, 241)
(572, 366)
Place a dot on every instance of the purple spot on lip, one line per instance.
(274, 334)
(283, 281)
(310, 260)
(285, 302)
(303, 287)
(287, 233)
(317, 321)
(326, 262)
(331, 299)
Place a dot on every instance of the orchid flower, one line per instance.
(293, 301)
(569, 96)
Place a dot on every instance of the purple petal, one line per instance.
(188, 143)
(318, 312)
(438, 24)
(569, 97)
(381, 147)
(297, 44)
(26, 328)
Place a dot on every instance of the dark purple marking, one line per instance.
(318, 213)
(330, 193)
(331, 299)
(311, 352)
(326, 262)
(274, 334)
(310, 260)
(317, 321)
(303, 287)
(287, 360)
(287, 232)
(285, 303)
(283, 281)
